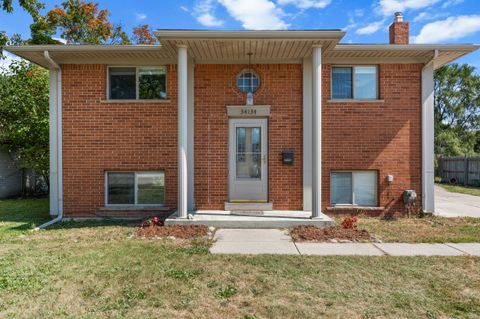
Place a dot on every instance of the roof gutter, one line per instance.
(56, 165)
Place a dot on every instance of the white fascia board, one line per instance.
(261, 34)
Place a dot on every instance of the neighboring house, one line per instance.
(238, 120)
(10, 177)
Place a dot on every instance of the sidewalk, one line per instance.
(275, 241)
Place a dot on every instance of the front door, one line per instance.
(248, 160)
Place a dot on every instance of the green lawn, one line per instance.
(97, 270)
(470, 190)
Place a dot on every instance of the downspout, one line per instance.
(59, 152)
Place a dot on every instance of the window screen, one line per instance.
(122, 83)
(342, 83)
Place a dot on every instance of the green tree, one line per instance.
(31, 6)
(24, 115)
(82, 22)
(457, 110)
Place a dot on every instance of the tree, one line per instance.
(31, 6)
(457, 110)
(82, 22)
(24, 115)
(142, 35)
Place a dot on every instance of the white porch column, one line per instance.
(182, 70)
(317, 132)
(428, 174)
(307, 134)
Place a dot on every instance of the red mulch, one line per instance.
(314, 233)
(177, 231)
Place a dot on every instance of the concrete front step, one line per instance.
(248, 206)
(269, 219)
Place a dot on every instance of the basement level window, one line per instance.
(135, 188)
(354, 82)
(353, 188)
(137, 83)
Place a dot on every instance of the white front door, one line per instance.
(248, 180)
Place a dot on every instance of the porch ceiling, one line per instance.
(234, 46)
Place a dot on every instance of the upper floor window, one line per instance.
(137, 83)
(354, 82)
(248, 81)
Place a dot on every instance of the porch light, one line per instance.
(250, 80)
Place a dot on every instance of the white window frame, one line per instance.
(353, 66)
(137, 77)
(135, 187)
(353, 204)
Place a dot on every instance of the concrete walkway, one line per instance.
(275, 241)
(448, 204)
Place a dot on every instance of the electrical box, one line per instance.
(390, 178)
(409, 196)
(287, 157)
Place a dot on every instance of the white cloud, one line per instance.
(371, 28)
(450, 3)
(306, 4)
(8, 58)
(428, 16)
(452, 28)
(63, 41)
(140, 16)
(184, 8)
(389, 7)
(256, 14)
(204, 12)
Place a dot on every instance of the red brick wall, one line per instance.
(377, 136)
(215, 88)
(99, 136)
(112, 136)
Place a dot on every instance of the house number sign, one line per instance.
(248, 110)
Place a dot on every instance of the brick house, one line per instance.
(241, 120)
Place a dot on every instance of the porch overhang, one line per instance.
(233, 46)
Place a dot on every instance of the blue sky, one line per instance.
(366, 21)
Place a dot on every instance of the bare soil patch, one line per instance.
(177, 231)
(314, 233)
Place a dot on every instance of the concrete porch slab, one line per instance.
(404, 249)
(334, 249)
(252, 242)
(468, 248)
(269, 219)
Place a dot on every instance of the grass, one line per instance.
(19, 216)
(423, 230)
(470, 190)
(97, 270)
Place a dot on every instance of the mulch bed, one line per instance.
(177, 231)
(328, 234)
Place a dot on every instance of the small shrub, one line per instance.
(225, 293)
(152, 222)
(349, 222)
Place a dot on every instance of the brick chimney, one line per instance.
(399, 30)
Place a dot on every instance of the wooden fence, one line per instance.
(461, 169)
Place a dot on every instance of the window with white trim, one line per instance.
(137, 83)
(353, 188)
(354, 82)
(248, 81)
(135, 188)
